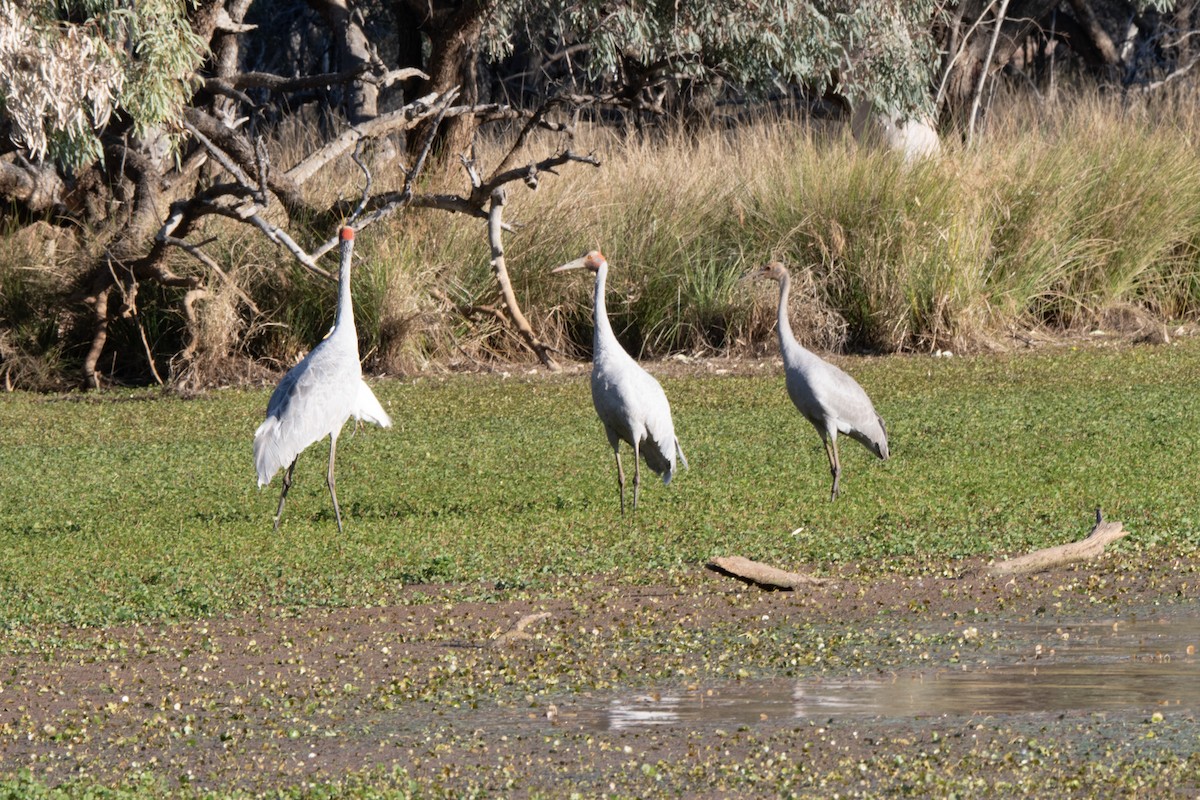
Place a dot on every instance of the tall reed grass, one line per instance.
(1085, 213)
(1082, 213)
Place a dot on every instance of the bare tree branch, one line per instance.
(237, 84)
(1171, 78)
(500, 270)
(238, 150)
(208, 261)
(1092, 546)
(983, 74)
(402, 119)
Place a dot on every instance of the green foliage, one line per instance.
(882, 48)
(67, 67)
(131, 506)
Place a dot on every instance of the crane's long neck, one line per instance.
(786, 338)
(603, 331)
(345, 311)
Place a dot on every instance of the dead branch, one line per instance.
(278, 83)
(281, 237)
(518, 631)
(1085, 549)
(1174, 76)
(252, 184)
(236, 149)
(470, 311)
(189, 310)
(402, 119)
(225, 161)
(528, 173)
(500, 270)
(149, 353)
(764, 576)
(210, 262)
(519, 143)
(99, 303)
(404, 197)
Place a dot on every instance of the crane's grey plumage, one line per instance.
(630, 403)
(316, 397)
(827, 397)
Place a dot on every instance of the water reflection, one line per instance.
(1098, 667)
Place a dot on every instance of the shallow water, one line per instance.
(1106, 666)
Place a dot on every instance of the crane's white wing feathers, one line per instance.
(314, 400)
(832, 400)
(368, 408)
(630, 402)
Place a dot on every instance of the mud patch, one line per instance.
(688, 686)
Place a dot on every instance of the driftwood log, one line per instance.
(1085, 549)
(762, 575)
(517, 631)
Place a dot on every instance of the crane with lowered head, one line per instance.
(629, 401)
(317, 396)
(827, 397)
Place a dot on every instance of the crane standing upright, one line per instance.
(630, 403)
(317, 396)
(827, 397)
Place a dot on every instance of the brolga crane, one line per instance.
(317, 396)
(630, 403)
(827, 397)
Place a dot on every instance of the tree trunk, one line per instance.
(1106, 51)
(453, 61)
(1024, 18)
(37, 187)
(362, 98)
(226, 49)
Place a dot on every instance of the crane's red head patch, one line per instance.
(347, 234)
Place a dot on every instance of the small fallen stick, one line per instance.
(1091, 547)
(764, 576)
(518, 631)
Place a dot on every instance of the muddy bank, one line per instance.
(690, 684)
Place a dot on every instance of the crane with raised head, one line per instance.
(629, 401)
(317, 396)
(827, 397)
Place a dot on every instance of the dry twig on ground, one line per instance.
(764, 576)
(1103, 534)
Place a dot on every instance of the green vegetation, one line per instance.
(134, 506)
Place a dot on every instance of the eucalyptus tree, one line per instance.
(70, 70)
(656, 57)
(133, 124)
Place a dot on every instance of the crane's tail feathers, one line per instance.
(368, 408)
(268, 456)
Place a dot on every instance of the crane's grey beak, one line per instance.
(576, 264)
(749, 275)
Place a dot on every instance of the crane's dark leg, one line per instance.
(287, 484)
(637, 473)
(620, 477)
(835, 465)
(337, 512)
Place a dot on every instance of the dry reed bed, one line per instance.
(1085, 213)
